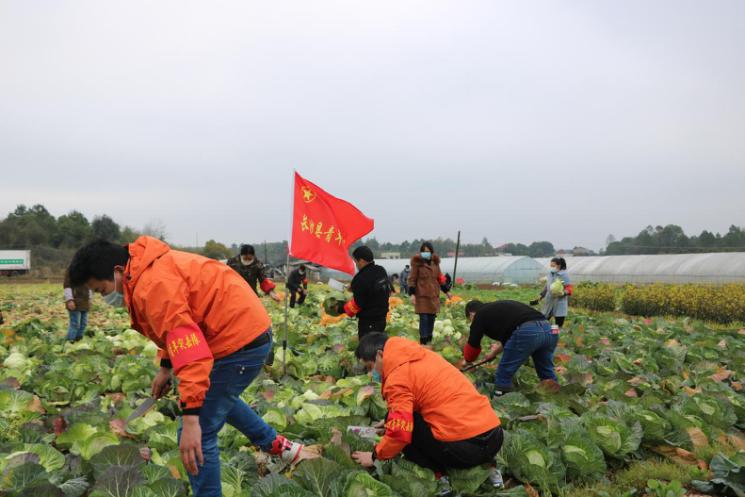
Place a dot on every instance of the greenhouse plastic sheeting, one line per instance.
(726, 267)
(479, 270)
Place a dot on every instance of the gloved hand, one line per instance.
(535, 302)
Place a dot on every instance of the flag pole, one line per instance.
(287, 296)
(287, 275)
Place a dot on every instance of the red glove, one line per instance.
(267, 286)
(351, 308)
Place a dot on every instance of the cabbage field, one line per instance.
(646, 407)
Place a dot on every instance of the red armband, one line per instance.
(186, 344)
(267, 286)
(400, 426)
(441, 279)
(351, 308)
(470, 354)
(568, 290)
(305, 281)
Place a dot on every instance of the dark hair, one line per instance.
(395, 275)
(473, 306)
(370, 345)
(364, 253)
(301, 266)
(406, 266)
(427, 245)
(97, 260)
(247, 250)
(560, 261)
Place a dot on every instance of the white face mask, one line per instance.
(246, 261)
(114, 298)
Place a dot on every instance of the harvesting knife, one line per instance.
(147, 404)
(477, 364)
(142, 409)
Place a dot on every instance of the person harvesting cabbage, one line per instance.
(436, 417)
(370, 291)
(253, 271)
(297, 284)
(212, 332)
(557, 291)
(520, 331)
(425, 282)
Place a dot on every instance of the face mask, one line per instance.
(376, 376)
(426, 255)
(246, 261)
(554, 270)
(114, 298)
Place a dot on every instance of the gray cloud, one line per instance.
(517, 121)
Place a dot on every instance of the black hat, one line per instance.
(247, 250)
(363, 253)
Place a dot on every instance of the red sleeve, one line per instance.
(169, 315)
(471, 353)
(568, 289)
(399, 427)
(351, 308)
(441, 279)
(267, 286)
(192, 362)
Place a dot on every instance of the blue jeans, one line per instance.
(78, 322)
(229, 377)
(532, 339)
(426, 326)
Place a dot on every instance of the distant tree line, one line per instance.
(53, 240)
(671, 239)
(28, 227)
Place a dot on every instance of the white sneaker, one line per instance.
(287, 450)
(495, 478)
(444, 489)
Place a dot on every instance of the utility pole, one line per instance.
(457, 250)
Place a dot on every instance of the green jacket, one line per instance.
(254, 274)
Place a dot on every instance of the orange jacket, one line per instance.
(194, 308)
(416, 379)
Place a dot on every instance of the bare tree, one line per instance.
(155, 228)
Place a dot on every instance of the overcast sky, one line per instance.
(518, 121)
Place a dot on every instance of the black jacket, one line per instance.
(253, 273)
(371, 289)
(295, 280)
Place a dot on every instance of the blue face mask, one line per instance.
(376, 376)
(426, 255)
(114, 299)
(554, 270)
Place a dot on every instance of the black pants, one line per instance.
(293, 295)
(559, 320)
(426, 328)
(370, 325)
(428, 452)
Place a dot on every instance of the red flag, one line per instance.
(323, 227)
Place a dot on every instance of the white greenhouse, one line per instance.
(725, 267)
(478, 270)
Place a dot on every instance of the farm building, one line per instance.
(478, 270)
(723, 267)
